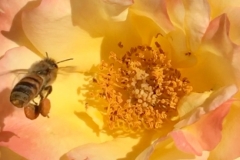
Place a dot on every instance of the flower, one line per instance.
(200, 48)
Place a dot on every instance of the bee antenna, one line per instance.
(46, 54)
(65, 60)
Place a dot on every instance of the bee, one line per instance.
(37, 82)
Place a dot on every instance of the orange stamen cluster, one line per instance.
(142, 89)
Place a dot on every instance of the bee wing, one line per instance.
(19, 73)
(15, 71)
(69, 69)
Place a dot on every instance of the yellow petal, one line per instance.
(196, 21)
(155, 10)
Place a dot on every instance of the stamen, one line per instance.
(142, 89)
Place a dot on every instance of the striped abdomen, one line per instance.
(26, 90)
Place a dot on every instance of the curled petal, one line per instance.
(164, 148)
(214, 60)
(205, 134)
(214, 100)
(230, 137)
(218, 34)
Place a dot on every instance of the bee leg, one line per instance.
(48, 89)
(34, 102)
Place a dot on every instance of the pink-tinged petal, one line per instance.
(64, 129)
(228, 148)
(8, 10)
(197, 18)
(156, 10)
(205, 134)
(215, 99)
(164, 148)
(176, 12)
(217, 35)
(234, 33)
(212, 59)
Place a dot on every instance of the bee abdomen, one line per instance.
(25, 90)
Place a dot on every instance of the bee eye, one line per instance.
(55, 65)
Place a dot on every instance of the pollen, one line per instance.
(141, 89)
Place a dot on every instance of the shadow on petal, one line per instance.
(89, 121)
(9, 154)
(94, 24)
(16, 32)
(5, 107)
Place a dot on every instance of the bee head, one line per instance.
(51, 62)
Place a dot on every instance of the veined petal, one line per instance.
(197, 18)
(64, 128)
(176, 12)
(205, 134)
(230, 136)
(156, 10)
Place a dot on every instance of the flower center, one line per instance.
(141, 89)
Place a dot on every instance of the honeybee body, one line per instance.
(37, 81)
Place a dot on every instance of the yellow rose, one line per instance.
(199, 40)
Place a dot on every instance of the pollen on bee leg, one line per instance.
(31, 111)
(45, 106)
(141, 89)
